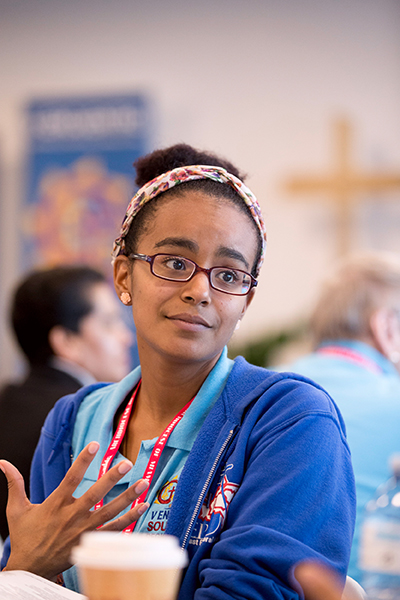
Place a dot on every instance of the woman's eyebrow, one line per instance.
(225, 252)
(178, 243)
(222, 252)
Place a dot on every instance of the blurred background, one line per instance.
(303, 95)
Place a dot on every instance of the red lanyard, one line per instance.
(351, 356)
(154, 457)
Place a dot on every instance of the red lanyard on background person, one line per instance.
(154, 457)
(351, 356)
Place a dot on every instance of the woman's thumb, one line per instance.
(16, 488)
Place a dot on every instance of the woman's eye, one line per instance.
(228, 276)
(175, 264)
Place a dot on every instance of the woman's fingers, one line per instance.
(113, 508)
(318, 581)
(17, 499)
(77, 470)
(130, 517)
(99, 489)
(64, 493)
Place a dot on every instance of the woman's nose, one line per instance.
(197, 290)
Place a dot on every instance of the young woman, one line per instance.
(249, 468)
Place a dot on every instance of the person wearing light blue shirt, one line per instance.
(356, 331)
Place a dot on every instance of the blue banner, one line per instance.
(80, 176)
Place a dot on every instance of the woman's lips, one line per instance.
(188, 321)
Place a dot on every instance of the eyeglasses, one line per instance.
(177, 268)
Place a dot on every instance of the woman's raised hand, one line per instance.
(43, 535)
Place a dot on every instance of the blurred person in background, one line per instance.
(68, 324)
(355, 328)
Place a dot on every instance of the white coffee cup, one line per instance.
(129, 566)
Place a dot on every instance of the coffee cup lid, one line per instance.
(109, 549)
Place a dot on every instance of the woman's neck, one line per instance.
(167, 386)
(164, 391)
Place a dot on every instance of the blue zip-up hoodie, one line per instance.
(268, 483)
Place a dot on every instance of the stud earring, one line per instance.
(394, 357)
(237, 325)
(126, 298)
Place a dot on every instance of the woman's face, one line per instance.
(103, 341)
(188, 321)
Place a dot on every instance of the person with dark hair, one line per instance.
(250, 469)
(68, 324)
(355, 329)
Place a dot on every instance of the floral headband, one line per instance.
(168, 180)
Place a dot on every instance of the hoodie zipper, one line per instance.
(203, 491)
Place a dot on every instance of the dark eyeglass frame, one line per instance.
(150, 259)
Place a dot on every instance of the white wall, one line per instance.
(259, 81)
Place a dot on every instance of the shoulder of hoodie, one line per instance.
(64, 412)
(286, 395)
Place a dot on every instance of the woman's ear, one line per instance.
(122, 276)
(62, 342)
(385, 328)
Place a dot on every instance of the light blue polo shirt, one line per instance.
(95, 420)
(369, 400)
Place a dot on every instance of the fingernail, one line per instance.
(2, 468)
(141, 486)
(124, 466)
(143, 507)
(93, 447)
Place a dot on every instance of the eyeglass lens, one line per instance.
(177, 268)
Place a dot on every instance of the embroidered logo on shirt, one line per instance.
(167, 492)
(214, 511)
(158, 517)
(221, 501)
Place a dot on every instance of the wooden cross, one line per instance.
(344, 184)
